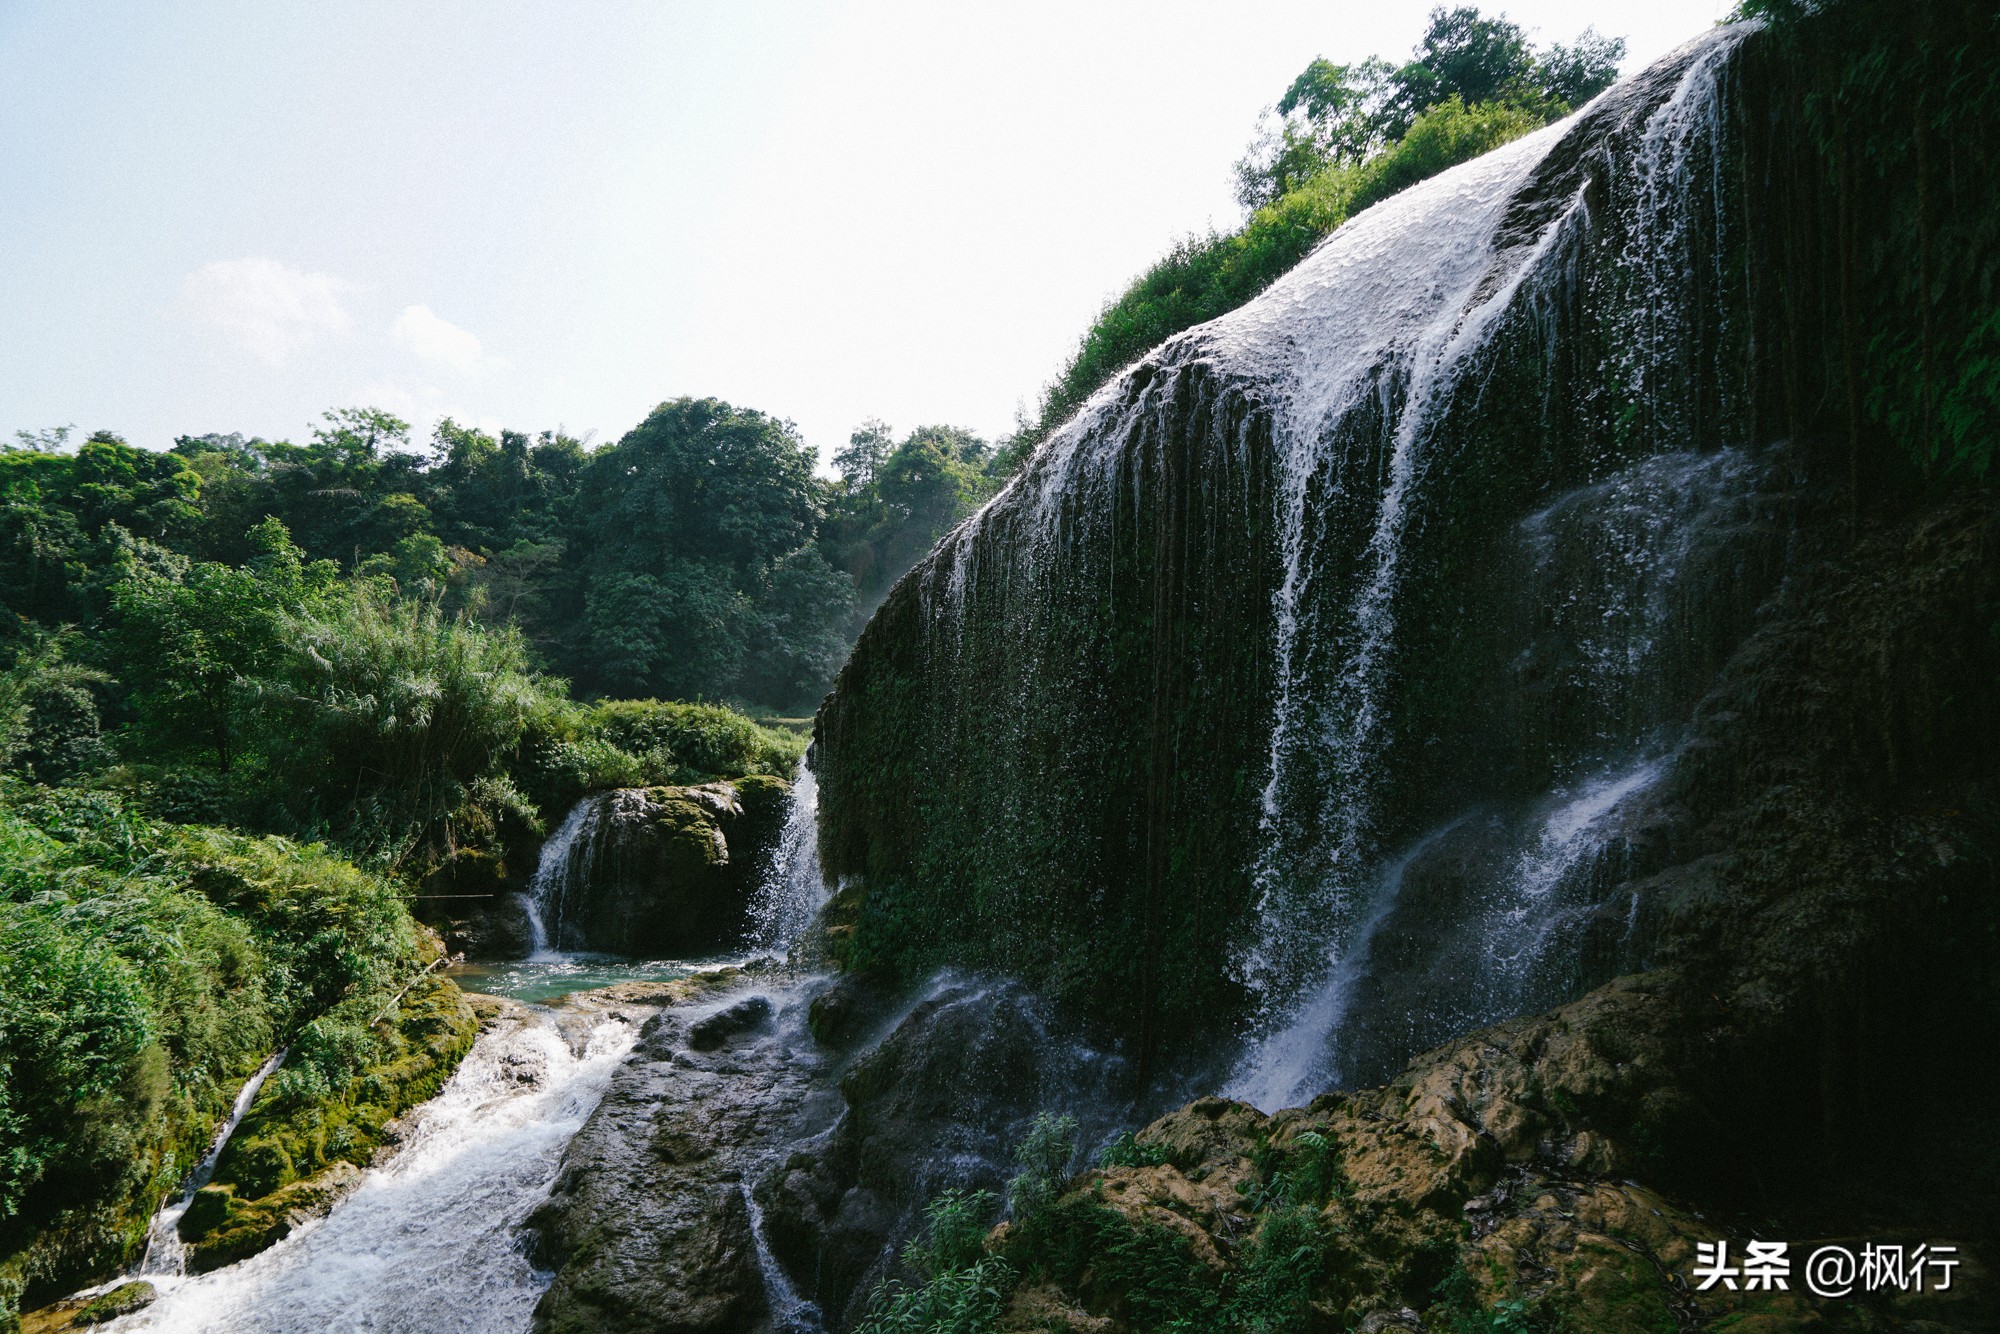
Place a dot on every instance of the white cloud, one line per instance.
(434, 339)
(268, 309)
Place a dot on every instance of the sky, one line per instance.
(235, 216)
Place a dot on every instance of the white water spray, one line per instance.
(1364, 346)
(429, 1241)
(793, 890)
(555, 872)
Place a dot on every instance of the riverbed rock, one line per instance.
(939, 1088)
(648, 1225)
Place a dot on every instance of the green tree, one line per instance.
(1574, 74)
(1328, 117)
(684, 528)
(915, 493)
(390, 719)
(191, 634)
(40, 690)
(861, 458)
(1462, 54)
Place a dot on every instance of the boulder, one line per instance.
(665, 872)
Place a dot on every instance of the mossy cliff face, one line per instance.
(1804, 1061)
(1337, 672)
(1805, 1064)
(1277, 601)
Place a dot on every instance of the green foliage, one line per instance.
(1900, 110)
(954, 1237)
(190, 635)
(48, 713)
(1044, 1156)
(1307, 1171)
(897, 500)
(1130, 1151)
(962, 1288)
(695, 570)
(393, 718)
(1456, 1308)
(1446, 134)
(145, 969)
(961, 1301)
(704, 740)
(1285, 1261)
(569, 750)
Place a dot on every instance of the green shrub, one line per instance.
(145, 970)
(702, 741)
(386, 712)
(1044, 1155)
(1130, 1151)
(963, 1287)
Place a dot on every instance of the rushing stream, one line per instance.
(428, 1241)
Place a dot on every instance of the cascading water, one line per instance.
(557, 874)
(1337, 656)
(428, 1241)
(165, 1254)
(1287, 649)
(792, 890)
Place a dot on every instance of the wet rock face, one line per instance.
(648, 1225)
(950, 1085)
(1295, 589)
(664, 871)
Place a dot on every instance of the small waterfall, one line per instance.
(558, 874)
(1304, 1057)
(429, 1240)
(790, 1312)
(792, 891)
(165, 1254)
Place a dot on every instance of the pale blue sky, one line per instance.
(232, 216)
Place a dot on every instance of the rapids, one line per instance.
(429, 1240)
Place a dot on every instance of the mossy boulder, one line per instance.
(669, 872)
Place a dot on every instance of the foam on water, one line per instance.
(429, 1242)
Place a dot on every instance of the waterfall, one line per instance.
(1251, 698)
(1367, 363)
(792, 890)
(428, 1240)
(557, 874)
(1530, 909)
(165, 1254)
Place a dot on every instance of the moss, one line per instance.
(146, 969)
(122, 1300)
(286, 1158)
